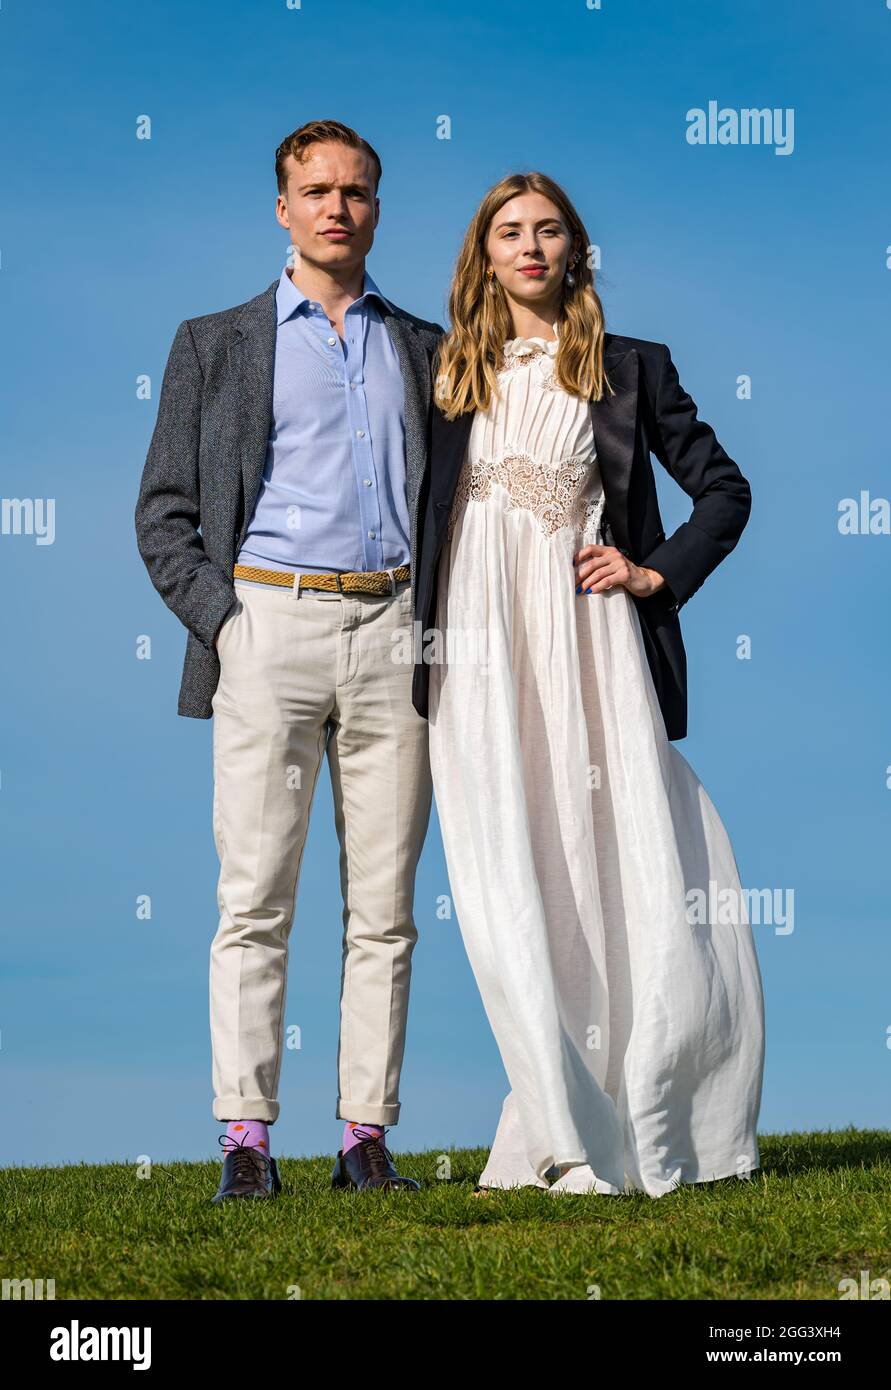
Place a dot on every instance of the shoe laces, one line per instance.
(247, 1158)
(378, 1153)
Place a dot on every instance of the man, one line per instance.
(277, 518)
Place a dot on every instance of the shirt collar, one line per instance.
(289, 297)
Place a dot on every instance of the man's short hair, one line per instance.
(316, 132)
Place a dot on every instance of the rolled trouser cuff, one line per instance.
(361, 1113)
(245, 1108)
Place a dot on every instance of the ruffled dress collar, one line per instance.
(521, 347)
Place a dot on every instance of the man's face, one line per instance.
(331, 209)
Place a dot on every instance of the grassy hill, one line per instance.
(816, 1212)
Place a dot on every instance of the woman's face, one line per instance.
(528, 245)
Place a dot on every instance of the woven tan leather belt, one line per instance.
(343, 581)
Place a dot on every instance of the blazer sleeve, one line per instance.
(688, 448)
(168, 511)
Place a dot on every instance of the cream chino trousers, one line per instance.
(302, 674)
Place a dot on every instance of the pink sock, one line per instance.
(354, 1132)
(253, 1134)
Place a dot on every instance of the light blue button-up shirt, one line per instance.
(333, 490)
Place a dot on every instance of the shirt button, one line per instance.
(352, 386)
(361, 434)
(372, 534)
(367, 482)
(332, 341)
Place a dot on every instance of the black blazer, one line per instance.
(650, 413)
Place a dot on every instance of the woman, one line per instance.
(584, 856)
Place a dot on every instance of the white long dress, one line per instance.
(628, 1011)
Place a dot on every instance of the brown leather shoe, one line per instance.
(247, 1173)
(369, 1164)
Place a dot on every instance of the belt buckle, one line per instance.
(392, 574)
(340, 588)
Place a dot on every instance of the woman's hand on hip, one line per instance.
(602, 567)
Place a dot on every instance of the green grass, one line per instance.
(817, 1211)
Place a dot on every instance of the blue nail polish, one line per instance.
(578, 588)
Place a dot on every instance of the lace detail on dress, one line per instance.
(518, 360)
(555, 495)
(523, 352)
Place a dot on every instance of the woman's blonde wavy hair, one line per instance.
(470, 354)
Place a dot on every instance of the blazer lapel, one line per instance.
(614, 421)
(448, 447)
(252, 362)
(416, 381)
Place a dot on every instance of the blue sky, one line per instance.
(743, 261)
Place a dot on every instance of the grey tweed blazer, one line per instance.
(205, 465)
